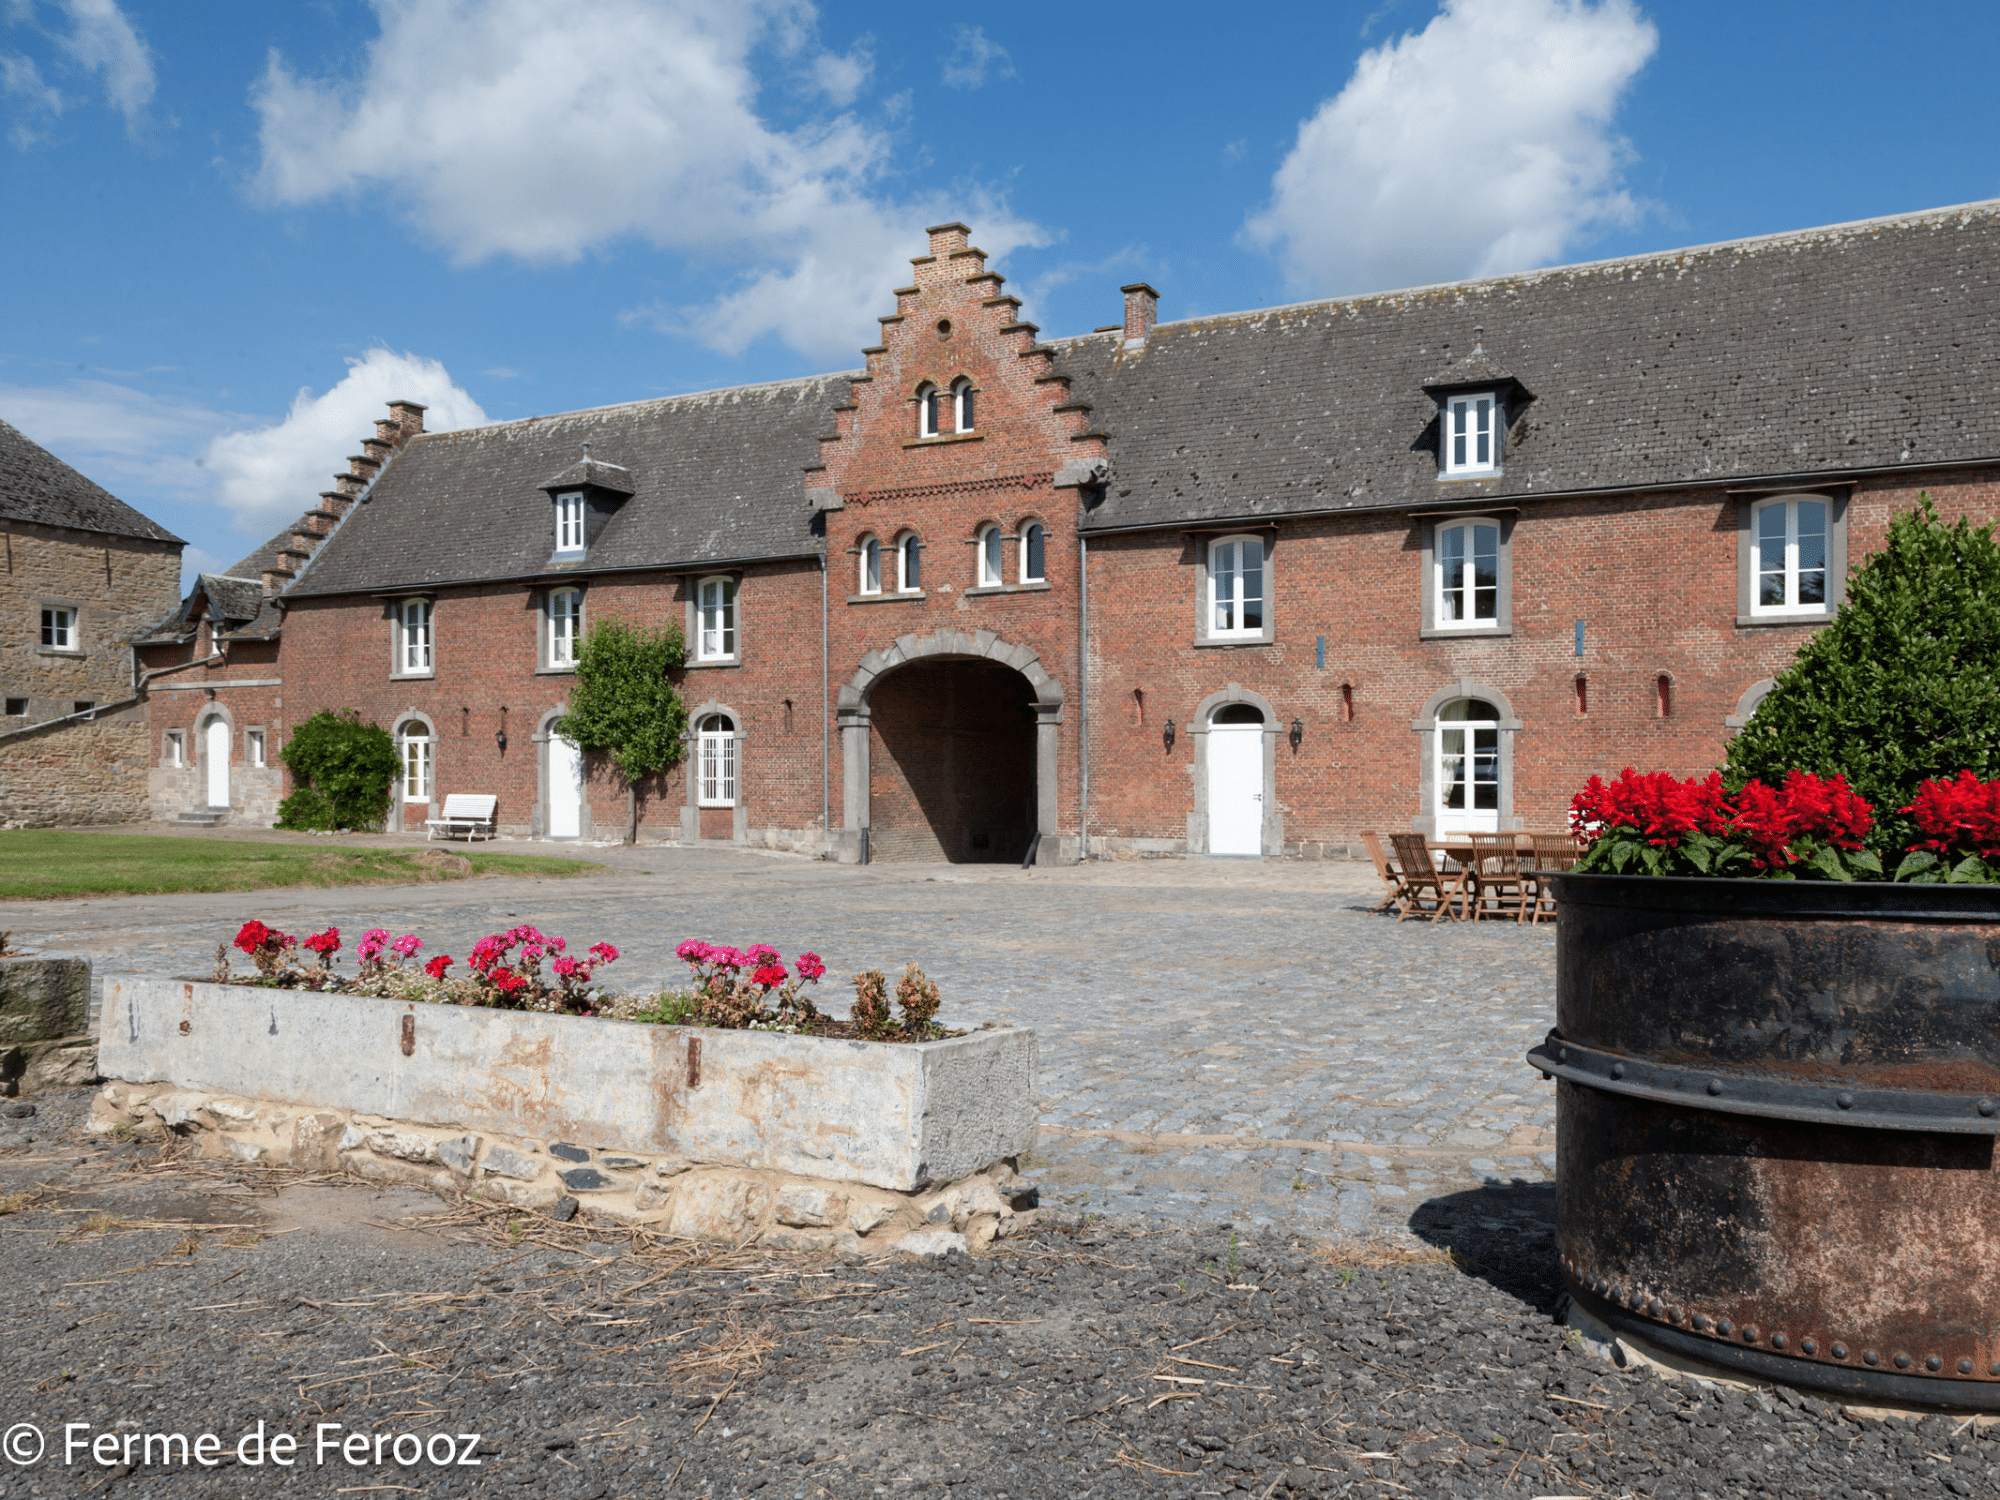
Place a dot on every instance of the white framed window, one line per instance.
(413, 653)
(1236, 587)
(871, 565)
(1790, 540)
(961, 405)
(992, 573)
(1471, 438)
(253, 747)
(909, 563)
(565, 626)
(716, 634)
(175, 754)
(416, 746)
(928, 402)
(1468, 575)
(569, 523)
(715, 762)
(1467, 774)
(58, 629)
(1034, 553)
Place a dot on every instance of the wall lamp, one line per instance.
(1298, 733)
(1167, 734)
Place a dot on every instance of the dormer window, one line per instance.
(961, 403)
(1471, 434)
(569, 522)
(927, 411)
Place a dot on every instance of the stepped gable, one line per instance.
(714, 478)
(37, 486)
(1761, 358)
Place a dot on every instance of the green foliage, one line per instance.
(342, 770)
(1903, 685)
(670, 1008)
(1922, 867)
(623, 703)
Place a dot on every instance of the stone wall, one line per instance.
(45, 1024)
(76, 771)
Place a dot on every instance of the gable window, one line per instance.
(565, 626)
(1236, 587)
(569, 523)
(1034, 553)
(871, 565)
(1471, 438)
(717, 637)
(413, 647)
(253, 747)
(715, 762)
(991, 573)
(927, 411)
(1791, 557)
(910, 563)
(1468, 575)
(416, 751)
(59, 630)
(961, 401)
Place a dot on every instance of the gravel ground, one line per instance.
(1090, 1358)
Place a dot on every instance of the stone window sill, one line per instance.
(72, 653)
(714, 661)
(413, 676)
(1234, 640)
(942, 438)
(1474, 633)
(900, 596)
(1040, 587)
(1813, 619)
(568, 671)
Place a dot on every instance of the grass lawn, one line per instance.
(37, 864)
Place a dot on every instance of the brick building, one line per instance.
(1241, 584)
(82, 572)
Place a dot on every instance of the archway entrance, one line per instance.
(952, 765)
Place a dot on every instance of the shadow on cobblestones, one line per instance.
(1502, 1232)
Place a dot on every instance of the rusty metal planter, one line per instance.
(1775, 1116)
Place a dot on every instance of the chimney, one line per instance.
(947, 239)
(408, 419)
(1142, 311)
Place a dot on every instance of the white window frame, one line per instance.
(964, 405)
(927, 410)
(570, 514)
(416, 638)
(870, 565)
(991, 557)
(59, 632)
(1472, 819)
(909, 549)
(1027, 551)
(1459, 451)
(715, 619)
(253, 748)
(418, 750)
(176, 750)
(1466, 584)
(718, 763)
(565, 627)
(1789, 572)
(1227, 596)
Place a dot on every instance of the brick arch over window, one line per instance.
(1425, 726)
(854, 716)
(1204, 715)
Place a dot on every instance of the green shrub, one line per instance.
(623, 703)
(342, 770)
(1902, 687)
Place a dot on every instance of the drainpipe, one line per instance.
(1083, 694)
(825, 785)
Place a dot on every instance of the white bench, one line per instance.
(467, 813)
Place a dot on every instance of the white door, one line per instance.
(217, 751)
(565, 788)
(1236, 789)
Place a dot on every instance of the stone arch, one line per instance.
(739, 823)
(855, 715)
(213, 711)
(545, 731)
(1204, 714)
(399, 818)
(1753, 697)
(1425, 726)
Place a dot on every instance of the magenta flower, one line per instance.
(408, 944)
(810, 967)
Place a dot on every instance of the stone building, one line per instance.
(82, 573)
(1245, 584)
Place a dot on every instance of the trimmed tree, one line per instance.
(623, 703)
(342, 770)
(1903, 686)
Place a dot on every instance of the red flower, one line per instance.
(325, 944)
(769, 975)
(508, 982)
(436, 967)
(1658, 808)
(254, 935)
(1962, 814)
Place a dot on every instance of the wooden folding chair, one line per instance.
(1553, 853)
(1420, 877)
(1391, 876)
(1496, 876)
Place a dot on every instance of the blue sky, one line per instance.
(235, 229)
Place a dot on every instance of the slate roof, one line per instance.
(37, 486)
(1867, 345)
(235, 598)
(716, 478)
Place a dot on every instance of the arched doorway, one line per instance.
(952, 768)
(1236, 780)
(215, 751)
(1467, 773)
(565, 786)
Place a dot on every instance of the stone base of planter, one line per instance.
(44, 1025)
(664, 1193)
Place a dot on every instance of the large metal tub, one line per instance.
(1775, 1122)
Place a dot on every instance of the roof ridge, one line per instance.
(654, 402)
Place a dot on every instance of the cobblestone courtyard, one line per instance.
(1220, 1040)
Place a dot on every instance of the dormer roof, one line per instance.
(593, 473)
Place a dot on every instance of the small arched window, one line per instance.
(871, 565)
(990, 572)
(717, 640)
(715, 762)
(415, 743)
(961, 405)
(909, 563)
(927, 411)
(1034, 552)
(565, 626)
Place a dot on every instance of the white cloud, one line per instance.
(99, 39)
(516, 128)
(1481, 144)
(842, 76)
(267, 475)
(129, 441)
(973, 54)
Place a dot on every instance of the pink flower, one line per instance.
(373, 941)
(408, 944)
(436, 967)
(810, 967)
(694, 951)
(604, 953)
(760, 954)
(569, 968)
(555, 944)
